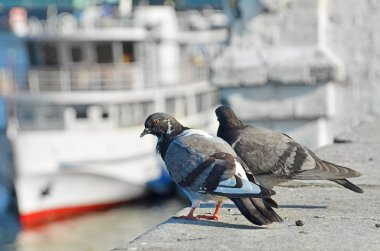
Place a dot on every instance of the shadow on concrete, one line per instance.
(212, 224)
(212, 205)
(302, 206)
(230, 205)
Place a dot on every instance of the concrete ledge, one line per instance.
(241, 66)
(334, 218)
(271, 102)
(364, 133)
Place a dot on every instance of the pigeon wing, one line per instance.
(276, 154)
(208, 165)
(188, 159)
(270, 153)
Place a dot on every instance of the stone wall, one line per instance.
(353, 33)
(304, 67)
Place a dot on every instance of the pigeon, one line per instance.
(207, 168)
(274, 157)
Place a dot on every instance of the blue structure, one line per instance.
(3, 114)
(14, 57)
(35, 3)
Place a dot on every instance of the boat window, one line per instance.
(105, 112)
(104, 53)
(43, 53)
(206, 100)
(25, 115)
(80, 111)
(105, 115)
(32, 54)
(76, 54)
(134, 113)
(176, 106)
(50, 54)
(39, 117)
(128, 56)
(170, 106)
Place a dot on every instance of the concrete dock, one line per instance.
(334, 218)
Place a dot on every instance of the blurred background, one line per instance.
(79, 77)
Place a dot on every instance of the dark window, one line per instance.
(50, 54)
(80, 111)
(105, 115)
(32, 54)
(128, 52)
(104, 53)
(76, 54)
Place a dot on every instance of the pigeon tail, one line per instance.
(257, 210)
(341, 170)
(326, 171)
(347, 184)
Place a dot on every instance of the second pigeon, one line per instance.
(274, 157)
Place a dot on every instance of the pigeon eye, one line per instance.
(156, 122)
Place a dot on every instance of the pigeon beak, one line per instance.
(146, 131)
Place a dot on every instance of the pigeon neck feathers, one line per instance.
(229, 124)
(228, 119)
(163, 143)
(165, 139)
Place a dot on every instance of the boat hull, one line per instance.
(47, 198)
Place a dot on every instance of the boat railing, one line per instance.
(198, 71)
(107, 77)
(84, 78)
(66, 23)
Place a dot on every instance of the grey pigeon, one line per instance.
(274, 157)
(207, 168)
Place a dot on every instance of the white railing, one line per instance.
(84, 78)
(107, 77)
(199, 70)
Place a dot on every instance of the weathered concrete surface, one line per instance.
(364, 133)
(280, 102)
(250, 67)
(334, 218)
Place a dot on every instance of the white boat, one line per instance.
(75, 133)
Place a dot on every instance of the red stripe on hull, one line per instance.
(56, 214)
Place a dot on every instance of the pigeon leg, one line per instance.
(190, 216)
(215, 216)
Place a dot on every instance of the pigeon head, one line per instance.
(227, 118)
(162, 124)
